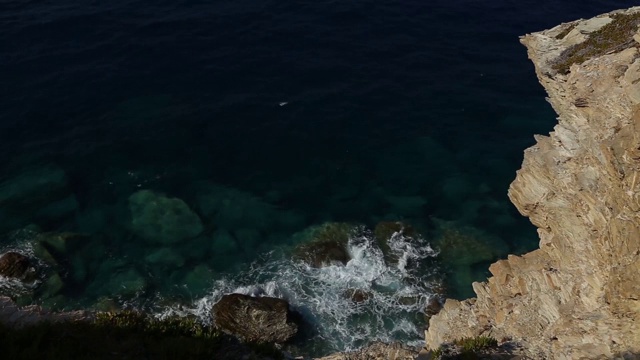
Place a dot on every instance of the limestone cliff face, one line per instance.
(578, 295)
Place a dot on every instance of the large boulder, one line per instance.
(15, 265)
(324, 245)
(255, 319)
(161, 219)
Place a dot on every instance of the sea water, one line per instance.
(192, 144)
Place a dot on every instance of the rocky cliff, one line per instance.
(578, 295)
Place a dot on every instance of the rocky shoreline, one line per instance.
(578, 296)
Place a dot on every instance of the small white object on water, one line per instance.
(283, 103)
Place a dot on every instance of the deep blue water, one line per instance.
(297, 113)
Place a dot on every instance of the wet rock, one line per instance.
(434, 305)
(15, 265)
(357, 295)
(384, 233)
(161, 219)
(324, 244)
(255, 319)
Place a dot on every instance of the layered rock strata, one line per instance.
(578, 295)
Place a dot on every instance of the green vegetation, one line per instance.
(476, 344)
(613, 37)
(566, 31)
(125, 335)
(466, 348)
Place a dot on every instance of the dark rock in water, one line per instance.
(64, 241)
(255, 319)
(357, 295)
(434, 305)
(385, 231)
(15, 265)
(325, 244)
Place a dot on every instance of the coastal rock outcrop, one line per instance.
(578, 295)
(255, 319)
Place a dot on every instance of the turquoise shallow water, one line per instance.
(193, 145)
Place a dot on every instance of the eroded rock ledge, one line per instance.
(578, 296)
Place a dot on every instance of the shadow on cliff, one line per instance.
(625, 355)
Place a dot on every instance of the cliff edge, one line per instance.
(578, 295)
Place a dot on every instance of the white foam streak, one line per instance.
(394, 295)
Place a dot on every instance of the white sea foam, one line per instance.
(396, 295)
(20, 242)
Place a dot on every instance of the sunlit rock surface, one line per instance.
(578, 296)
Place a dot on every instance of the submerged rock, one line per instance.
(164, 256)
(255, 319)
(15, 265)
(52, 286)
(126, 283)
(233, 209)
(64, 241)
(466, 245)
(33, 193)
(463, 246)
(158, 218)
(384, 233)
(324, 244)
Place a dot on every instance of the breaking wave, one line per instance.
(391, 299)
